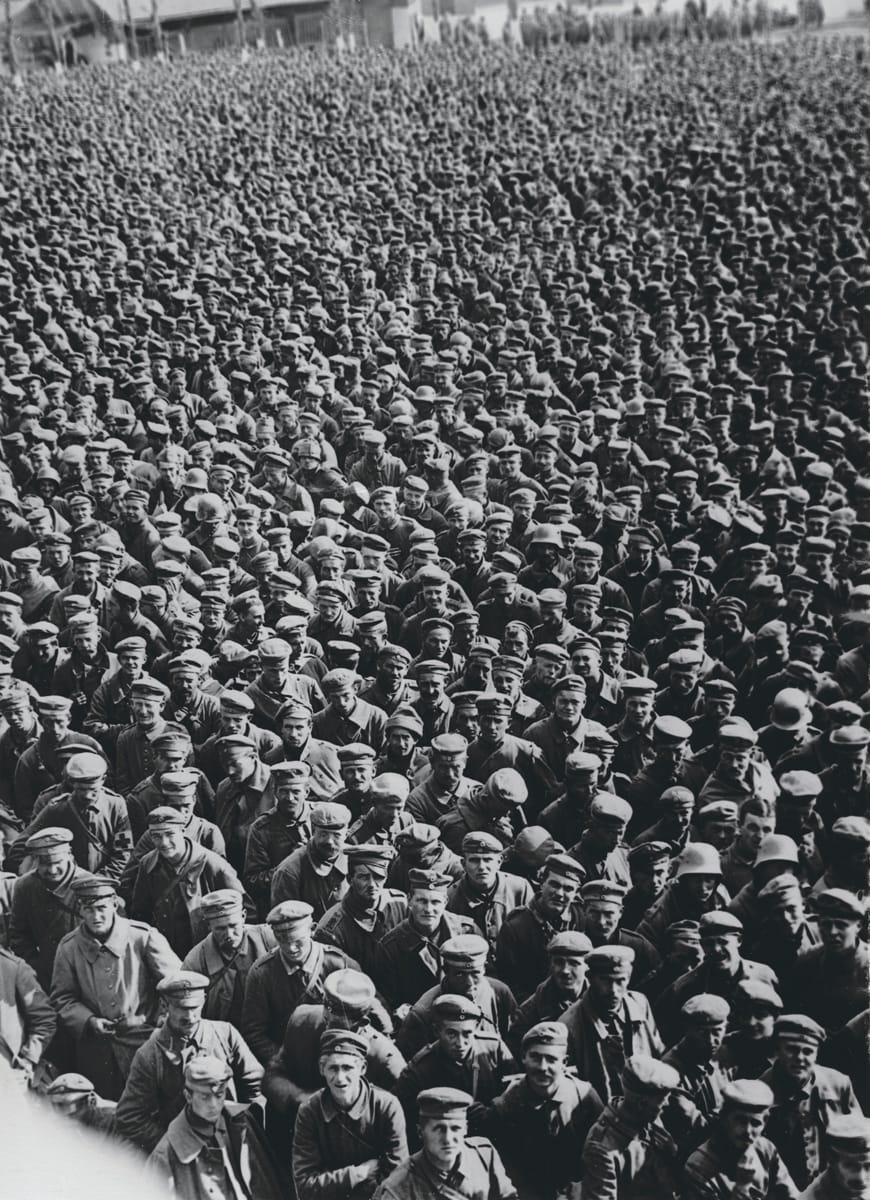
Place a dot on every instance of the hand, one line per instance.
(372, 1169)
(101, 1026)
(401, 1012)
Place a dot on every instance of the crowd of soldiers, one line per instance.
(435, 620)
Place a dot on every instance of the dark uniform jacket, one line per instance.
(168, 896)
(154, 1092)
(478, 1175)
(540, 1138)
(329, 1147)
(236, 1161)
(599, 1047)
(273, 990)
(799, 1117)
(40, 919)
(360, 934)
(226, 989)
(409, 963)
(301, 877)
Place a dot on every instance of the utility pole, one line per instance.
(158, 29)
(131, 35)
(11, 56)
(240, 24)
(47, 12)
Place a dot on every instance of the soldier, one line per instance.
(293, 1075)
(805, 1097)
(695, 889)
(541, 1119)
(317, 872)
(27, 1019)
(566, 816)
(346, 718)
(649, 864)
(43, 908)
(450, 1164)
(172, 879)
(462, 1054)
(485, 894)
(368, 1140)
(494, 808)
(445, 784)
(210, 1148)
(696, 1055)
(463, 962)
(719, 973)
(134, 756)
(40, 764)
(386, 815)
(243, 795)
(631, 1151)
(172, 750)
(409, 956)
(227, 953)
(748, 1049)
(609, 1022)
(521, 946)
(830, 980)
(599, 850)
(297, 745)
(96, 817)
(783, 932)
(289, 975)
(74, 1097)
(565, 983)
(848, 1150)
(154, 1091)
(368, 910)
(104, 984)
(495, 749)
(277, 833)
(236, 718)
(737, 1160)
(601, 921)
(420, 845)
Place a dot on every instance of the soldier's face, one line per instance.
(56, 727)
(426, 907)
(52, 865)
(443, 1139)
(228, 932)
(852, 1173)
(741, 1129)
(328, 842)
(557, 893)
(343, 701)
(482, 869)
(464, 979)
(600, 920)
(797, 1057)
(367, 885)
(294, 938)
(608, 991)
(98, 916)
(838, 934)
(184, 1013)
(343, 1074)
(457, 1039)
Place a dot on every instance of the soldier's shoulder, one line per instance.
(517, 918)
(141, 927)
(263, 963)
